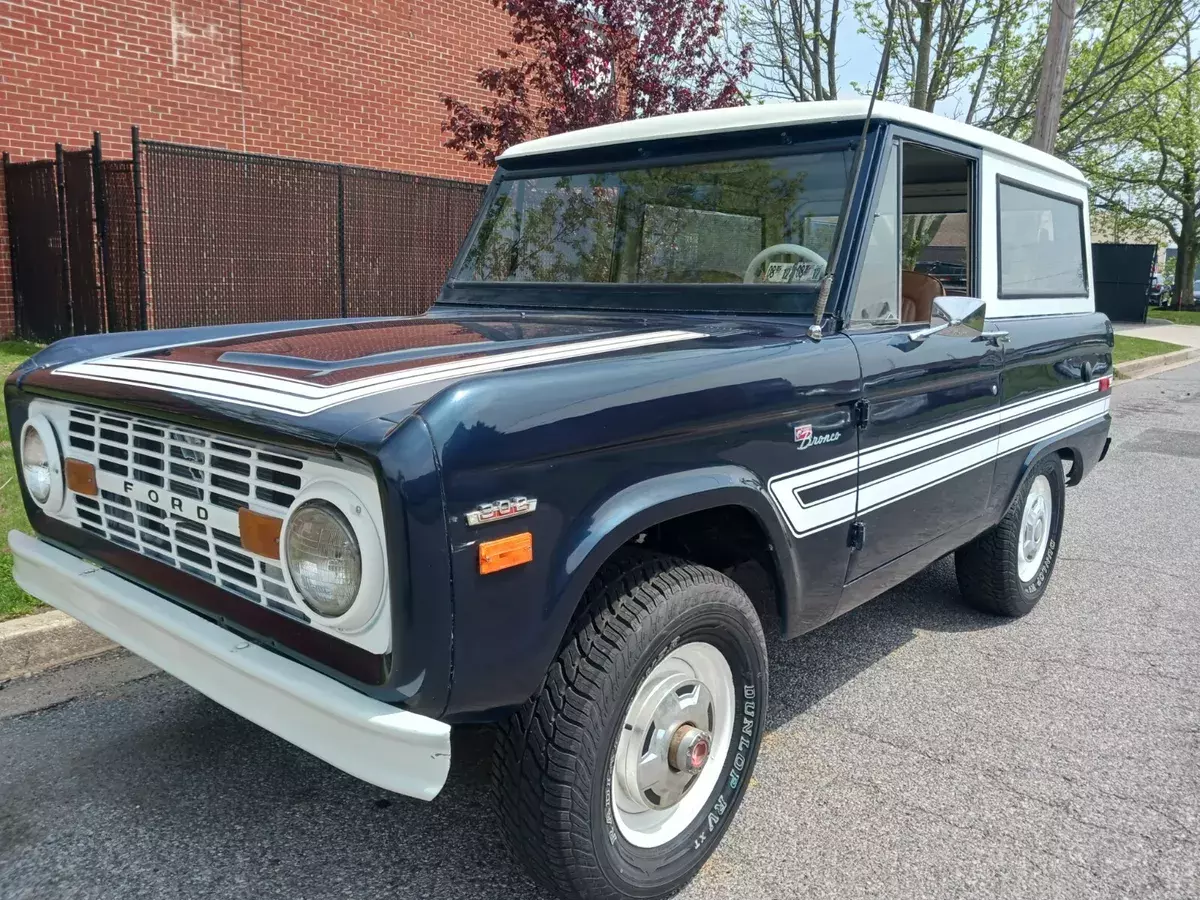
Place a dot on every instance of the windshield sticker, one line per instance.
(791, 273)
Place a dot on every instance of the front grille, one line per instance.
(173, 494)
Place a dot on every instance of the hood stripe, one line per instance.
(301, 398)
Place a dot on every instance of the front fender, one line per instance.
(621, 517)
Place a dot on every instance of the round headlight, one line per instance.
(41, 463)
(323, 558)
(35, 465)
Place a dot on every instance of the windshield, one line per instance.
(746, 222)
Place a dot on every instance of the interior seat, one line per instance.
(917, 291)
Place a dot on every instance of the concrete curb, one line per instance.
(32, 644)
(1139, 368)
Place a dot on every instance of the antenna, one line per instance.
(815, 331)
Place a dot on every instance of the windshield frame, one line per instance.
(797, 299)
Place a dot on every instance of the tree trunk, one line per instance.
(1185, 262)
(920, 91)
(1054, 75)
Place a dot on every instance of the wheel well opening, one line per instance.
(1074, 464)
(729, 539)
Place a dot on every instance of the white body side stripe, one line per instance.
(302, 398)
(804, 519)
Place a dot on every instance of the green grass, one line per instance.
(1178, 316)
(1130, 348)
(13, 600)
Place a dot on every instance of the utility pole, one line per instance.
(1054, 75)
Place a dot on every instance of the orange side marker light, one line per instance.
(81, 477)
(259, 533)
(506, 552)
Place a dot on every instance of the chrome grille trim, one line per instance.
(172, 493)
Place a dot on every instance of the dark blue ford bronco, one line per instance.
(788, 344)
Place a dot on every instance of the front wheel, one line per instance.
(620, 777)
(1005, 570)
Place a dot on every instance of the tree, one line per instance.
(794, 46)
(1114, 43)
(1152, 177)
(577, 63)
(935, 50)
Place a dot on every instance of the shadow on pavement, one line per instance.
(181, 792)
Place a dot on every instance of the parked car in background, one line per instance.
(1156, 295)
(671, 351)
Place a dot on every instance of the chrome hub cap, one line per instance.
(673, 744)
(1035, 528)
(689, 749)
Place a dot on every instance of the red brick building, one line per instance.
(354, 81)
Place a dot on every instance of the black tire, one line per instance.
(553, 763)
(988, 567)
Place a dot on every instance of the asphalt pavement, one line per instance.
(915, 749)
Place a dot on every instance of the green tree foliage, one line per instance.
(1149, 172)
(1115, 43)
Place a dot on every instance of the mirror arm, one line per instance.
(996, 337)
(917, 336)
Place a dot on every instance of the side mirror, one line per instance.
(958, 317)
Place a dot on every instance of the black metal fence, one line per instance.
(40, 292)
(181, 236)
(1121, 274)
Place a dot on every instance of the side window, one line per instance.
(1041, 244)
(936, 246)
(877, 297)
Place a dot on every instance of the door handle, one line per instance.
(995, 337)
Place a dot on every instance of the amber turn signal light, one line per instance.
(81, 477)
(259, 533)
(514, 550)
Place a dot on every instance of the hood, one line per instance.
(316, 381)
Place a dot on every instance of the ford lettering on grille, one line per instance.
(173, 494)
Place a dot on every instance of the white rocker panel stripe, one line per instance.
(805, 519)
(301, 398)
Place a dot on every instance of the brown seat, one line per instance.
(917, 291)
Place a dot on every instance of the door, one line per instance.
(928, 429)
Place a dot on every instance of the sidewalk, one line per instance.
(1162, 330)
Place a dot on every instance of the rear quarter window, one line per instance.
(1041, 250)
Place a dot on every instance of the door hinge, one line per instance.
(862, 412)
(858, 535)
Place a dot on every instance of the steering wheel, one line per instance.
(795, 249)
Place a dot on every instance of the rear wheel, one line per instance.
(1006, 570)
(620, 777)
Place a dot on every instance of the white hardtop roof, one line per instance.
(773, 115)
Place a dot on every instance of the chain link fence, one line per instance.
(181, 236)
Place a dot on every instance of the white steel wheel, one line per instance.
(1034, 532)
(673, 744)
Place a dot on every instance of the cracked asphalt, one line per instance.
(916, 749)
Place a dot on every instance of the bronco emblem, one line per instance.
(804, 437)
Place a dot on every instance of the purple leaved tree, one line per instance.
(576, 63)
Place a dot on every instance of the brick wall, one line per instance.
(352, 81)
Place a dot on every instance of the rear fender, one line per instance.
(1082, 446)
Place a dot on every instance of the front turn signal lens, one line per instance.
(81, 477)
(259, 533)
(504, 553)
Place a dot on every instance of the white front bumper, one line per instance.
(394, 749)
